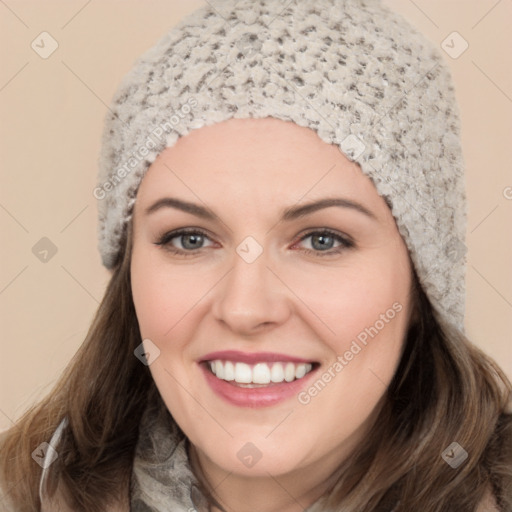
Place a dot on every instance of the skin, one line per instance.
(289, 300)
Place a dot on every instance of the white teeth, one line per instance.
(277, 373)
(229, 371)
(289, 372)
(219, 369)
(260, 373)
(300, 371)
(243, 373)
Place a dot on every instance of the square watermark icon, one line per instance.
(454, 45)
(352, 146)
(455, 249)
(44, 45)
(249, 454)
(147, 352)
(454, 455)
(249, 249)
(45, 455)
(44, 250)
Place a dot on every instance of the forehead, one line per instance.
(266, 161)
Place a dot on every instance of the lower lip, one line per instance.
(255, 397)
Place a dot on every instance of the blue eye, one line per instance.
(192, 241)
(322, 242)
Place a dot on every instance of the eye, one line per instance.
(188, 242)
(183, 241)
(322, 242)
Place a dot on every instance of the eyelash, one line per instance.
(164, 241)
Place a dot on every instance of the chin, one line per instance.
(255, 458)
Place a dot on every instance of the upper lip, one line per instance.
(252, 357)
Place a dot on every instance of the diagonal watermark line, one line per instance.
(216, 74)
(424, 13)
(75, 15)
(280, 12)
(15, 75)
(304, 195)
(198, 402)
(222, 481)
(198, 301)
(2, 1)
(300, 299)
(376, 122)
(213, 488)
(389, 110)
(492, 211)
(218, 12)
(377, 377)
(494, 288)
(303, 98)
(80, 284)
(7, 416)
(280, 423)
(403, 197)
(106, 106)
(492, 81)
(206, 206)
(13, 217)
(13, 279)
(422, 78)
(74, 218)
(485, 15)
(287, 492)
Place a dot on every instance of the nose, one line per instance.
(251, 298)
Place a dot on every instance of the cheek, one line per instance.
(169, 304)
(349, 301)
(162, 297)
(153, 304)
(164, 308)
(366, 310)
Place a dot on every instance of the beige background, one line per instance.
(52, 112)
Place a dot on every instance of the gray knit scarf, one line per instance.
(162, 477)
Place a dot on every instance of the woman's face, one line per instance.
(271, 280)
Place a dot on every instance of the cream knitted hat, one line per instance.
(352, 70)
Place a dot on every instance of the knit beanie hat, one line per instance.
(351, 70)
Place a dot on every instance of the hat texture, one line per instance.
(353, 71)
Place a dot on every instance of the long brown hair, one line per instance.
(445, 390)
(103, 392)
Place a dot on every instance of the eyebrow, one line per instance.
(288, 214)
(296, 212)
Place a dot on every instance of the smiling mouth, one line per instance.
(260, 374)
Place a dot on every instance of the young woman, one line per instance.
(282, 206)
